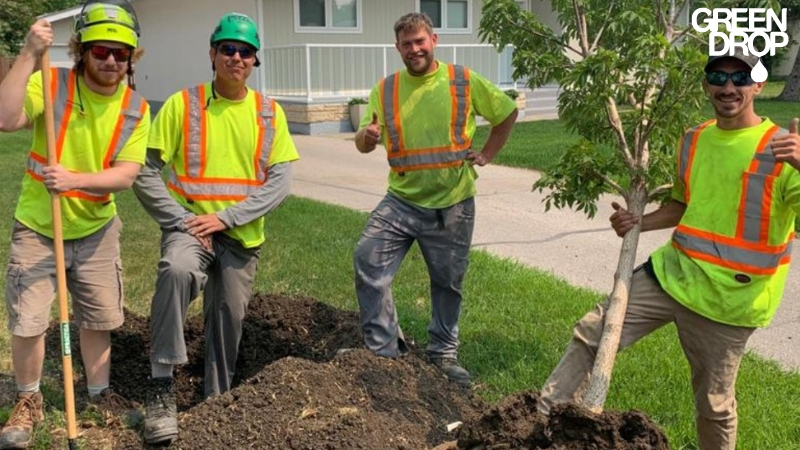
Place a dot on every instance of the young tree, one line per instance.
(630, 74)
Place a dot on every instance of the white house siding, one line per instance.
(62, 31)
(175, 36)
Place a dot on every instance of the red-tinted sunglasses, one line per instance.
(101, 53)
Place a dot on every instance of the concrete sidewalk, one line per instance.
(511, 222)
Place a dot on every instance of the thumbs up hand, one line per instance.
(786, 147)
(372, 134)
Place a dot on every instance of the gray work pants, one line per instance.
(444, 237)
(714, 351)
(226, 278)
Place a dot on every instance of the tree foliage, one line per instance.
(791, 90)
(16, 16)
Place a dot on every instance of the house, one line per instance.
(316, 54)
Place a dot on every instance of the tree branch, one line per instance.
(612, 183)
(603, 27)
(612, 113)
(580, 21)
(658, 190)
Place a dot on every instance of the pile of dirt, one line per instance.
(294, 389)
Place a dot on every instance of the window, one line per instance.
(327, 16)
(523, 4)
(448, 16)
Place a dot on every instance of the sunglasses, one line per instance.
(719, 78)
(101, 53)
(229, 50)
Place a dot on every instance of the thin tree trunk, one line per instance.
(600, 379)
(791, 90)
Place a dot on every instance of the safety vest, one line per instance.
(62, 90)
(749, 251)
(403, 159)
(190, 181)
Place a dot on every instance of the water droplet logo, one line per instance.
(759, 73)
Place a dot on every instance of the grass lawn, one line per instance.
(516, 321)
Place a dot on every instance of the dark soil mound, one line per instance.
(295, 391)
(514, 424)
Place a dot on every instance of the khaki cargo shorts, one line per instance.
(94, 280)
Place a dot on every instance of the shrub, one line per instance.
(357, 101)
(513, 93)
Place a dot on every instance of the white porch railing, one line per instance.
(313, 72)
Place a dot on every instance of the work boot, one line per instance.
(28, 411)
(161, 413)
(449, 365)
(114, 407)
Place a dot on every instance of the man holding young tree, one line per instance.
(721, 276)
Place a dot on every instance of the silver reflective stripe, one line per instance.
(35, 167)
(38, 168)
(686, 147)
(756, 193)
(265, 120)
(390, 121)
(730, 253)
(461, 85)
(130, 118)
(198, 187)
(428, 158)
(193, 165)
(60, 101)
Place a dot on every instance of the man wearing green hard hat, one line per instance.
(229, 151)
(101, 127)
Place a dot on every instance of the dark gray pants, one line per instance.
(226, 279)
(444, 237)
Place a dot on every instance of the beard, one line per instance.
(419, 66)
(105, 76)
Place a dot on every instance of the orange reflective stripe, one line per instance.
(67, 110)
(428, 166)
(453, 102)
(219, 180)
(126, 100)
(35, 168)
(259, 139)
(390, 88)
(756, 201)
(732, 241)
(203, 130)
(424, 151)
(740, 267)
(687, 156)
(460, 96)
(186, 125)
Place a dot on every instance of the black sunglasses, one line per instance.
(229, 50)
(719, 78)
(101, 53)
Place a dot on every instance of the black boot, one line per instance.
(161, 413)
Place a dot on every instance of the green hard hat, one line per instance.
(236, 27)
(108, 20)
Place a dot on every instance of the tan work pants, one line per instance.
(714, 351)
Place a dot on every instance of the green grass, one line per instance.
(516, 321)
(533, 145)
